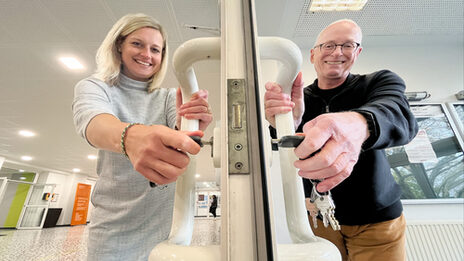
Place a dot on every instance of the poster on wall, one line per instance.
(81, 204)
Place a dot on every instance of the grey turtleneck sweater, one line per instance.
(129, 217)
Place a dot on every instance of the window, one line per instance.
(431, 166)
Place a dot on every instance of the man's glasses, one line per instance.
(347, 48)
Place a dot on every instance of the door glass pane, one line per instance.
(439, 177)
(32, 216)
(40, 195)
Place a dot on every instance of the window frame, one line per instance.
(451, 119)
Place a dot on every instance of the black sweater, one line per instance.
(370, 194)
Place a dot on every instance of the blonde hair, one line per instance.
(109, 59)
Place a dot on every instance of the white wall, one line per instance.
(66, 188)
(436, 210)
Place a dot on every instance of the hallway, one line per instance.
(70, 243)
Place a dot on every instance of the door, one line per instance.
(36, 206)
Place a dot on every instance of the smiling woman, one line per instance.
(141, 53)
(123, 112)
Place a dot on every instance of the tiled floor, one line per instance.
(69, 243)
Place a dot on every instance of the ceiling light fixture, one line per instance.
(76, 170)
(336, 5)
(72, 63)
(22, 178)
(21, 170)
(197, 175)
(26, 158)
(26, 133)
(91, 157)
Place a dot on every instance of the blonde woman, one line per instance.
(122, 111)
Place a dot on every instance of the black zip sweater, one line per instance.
(370, 194)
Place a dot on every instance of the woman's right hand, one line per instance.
(160, 153)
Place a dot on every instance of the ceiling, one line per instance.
(36, 92)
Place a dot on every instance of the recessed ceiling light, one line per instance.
(197, 175)
(26, 133)
(21, 170)
(22, 178)
(27, 158)
(336, 5)
(72, 63)
(92, 157)
(76, 170)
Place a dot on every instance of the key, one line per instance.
(312, 207)
(200, 142)
(323, 204)
(333, 221)
(289, 141)
(313, 211)
(326, 208)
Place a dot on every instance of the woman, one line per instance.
(213, 207)
(122, 111)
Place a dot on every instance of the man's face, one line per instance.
(336, 65)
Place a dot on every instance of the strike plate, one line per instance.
(238, 135)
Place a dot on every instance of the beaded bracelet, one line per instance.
(123, 136)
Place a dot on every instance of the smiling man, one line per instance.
(351, 119)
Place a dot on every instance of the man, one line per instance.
(351, 118)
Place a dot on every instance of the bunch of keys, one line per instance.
(322, 204)
(319, 203)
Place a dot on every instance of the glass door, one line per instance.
(36, 206)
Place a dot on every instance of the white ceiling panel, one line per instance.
(387, 17)
(76, 25)
(29, 22)
(202, 13)
(159, 9)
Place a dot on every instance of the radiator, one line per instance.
(435, 242)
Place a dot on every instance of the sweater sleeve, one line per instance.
(394, 122)
(90, 100)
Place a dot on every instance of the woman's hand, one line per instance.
(195, 109)
(160, 153)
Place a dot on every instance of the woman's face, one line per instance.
(141, 54)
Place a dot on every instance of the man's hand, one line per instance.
(159, 153)
(277, 102)
(195, 109)
(340, 137)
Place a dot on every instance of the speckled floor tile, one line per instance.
(48, 244)
(70, 243)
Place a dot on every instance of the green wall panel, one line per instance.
(18, 201)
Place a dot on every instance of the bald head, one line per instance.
(344, 26)
(333, 64)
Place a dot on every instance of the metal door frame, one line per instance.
(26, 204)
